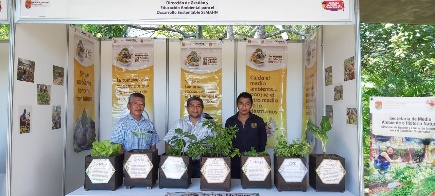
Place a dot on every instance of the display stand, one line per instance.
(235, 188)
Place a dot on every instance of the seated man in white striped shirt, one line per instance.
(192, 124)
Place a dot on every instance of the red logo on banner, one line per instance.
(333, 5)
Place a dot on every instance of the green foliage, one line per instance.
(254, 153)
(398, 60)
(298, 148)
(4, 31)
(320, 132)
(105, 149)
(142, 134)
(178, 142)
(218, 145)
(105, 31)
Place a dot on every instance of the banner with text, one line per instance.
(266, 80)
(201, 75)
(310, 81)
(132, 72)
(403, 116)
(84, 91)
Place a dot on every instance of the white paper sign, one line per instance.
(403, 116)
(174, 167)
(330, 171)
(138, 166)
(187, 9)
(100, 171)
(256, 168)
(215, 170)
(293, 170)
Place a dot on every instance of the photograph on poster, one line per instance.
(408, 158)
(43, 94)
(257, 58)
(338, 93)
(84, 132)
(351, 116)
(24, 112)
(26, 70)
(58, 73)
(328, 76)
(349, 69)
(56, 117)
(330, 113)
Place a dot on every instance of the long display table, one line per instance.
(194, 187)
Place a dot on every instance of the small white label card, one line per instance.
(256, 168)
(293, 170)
(330, 171)
(174, 167)
(138, 166)
(100, 171)
(215, 170)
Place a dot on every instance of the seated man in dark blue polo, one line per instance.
(252, 131)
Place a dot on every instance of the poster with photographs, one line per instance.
(338, 93)
(349, 69)
(58, 73)
(24, 111)
(26, 70)
(328, 76)
(56, 117)
(43, 94)
(351, 115)
(330, 113)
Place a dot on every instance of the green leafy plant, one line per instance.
(254, 153)
(320, 132)
(298, 148)
(178, 143)
(105, 149)
(218, 145)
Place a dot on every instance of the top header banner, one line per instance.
(188, 11)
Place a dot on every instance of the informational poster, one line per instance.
(187, 9)
(402, 148)
(201, 75)
(84, 91)
(3, 10)
(132, 72)
(310, 81)
(266, 81)
(35, 8)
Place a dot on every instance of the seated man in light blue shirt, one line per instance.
(193, 123)
(134, 131)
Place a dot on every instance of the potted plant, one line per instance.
(103, 166)
(290, 171)
(255, 170)
(215, 152)
(140, 165)
(327, 171)
(174, 170)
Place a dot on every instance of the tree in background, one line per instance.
(292, 32)
(397, 60)
(4, 31)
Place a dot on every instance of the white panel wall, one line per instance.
(4, 89)
(228, 81)
(338, 45)
(37, 156)
(159, 90)
(75, 162)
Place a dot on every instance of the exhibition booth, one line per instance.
(68, 87)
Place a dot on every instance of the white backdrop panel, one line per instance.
(4, 88)
(37, 156)
(159, 90)
(338, 45)
(227, 80)
(75, 162)
(4, 11)
(224, 11)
